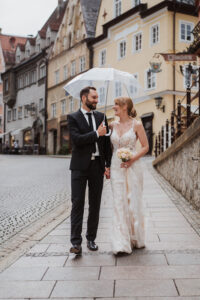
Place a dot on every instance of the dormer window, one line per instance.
(28, 52)
(18, 59)
(117, 8)
(38, 48)
(48, 41)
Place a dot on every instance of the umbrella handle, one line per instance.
(109, 133)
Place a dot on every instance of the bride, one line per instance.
(127, 179)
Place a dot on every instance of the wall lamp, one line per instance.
(159, 103)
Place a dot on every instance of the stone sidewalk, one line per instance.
(168, 268)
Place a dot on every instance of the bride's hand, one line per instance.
(127, 164)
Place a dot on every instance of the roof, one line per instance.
(9, 44)
(90, 10)
(54, 20)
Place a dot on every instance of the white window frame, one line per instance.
(117, 9)
(102, 57)
(73, 68)
(63, 107)
(9, 116)
(185, 79)
(146, 80)
(135, 91)
(65, 72)
(53, 110)
(25, 111)
(82, 63)
(57, 76)
(134, 42)
(26, 79)
(192, 27)
(71, 104)
(151, 34)
(118, 89)
(14, 114)
(19, 112)
(102, 95)
(42, 71)
(124, 50)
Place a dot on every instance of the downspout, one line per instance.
(45, 113)
(174, 50)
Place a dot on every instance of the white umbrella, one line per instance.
(106, 78)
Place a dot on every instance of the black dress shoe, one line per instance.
(76, 249)
(92, 246)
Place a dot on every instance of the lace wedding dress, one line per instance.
(127, 186)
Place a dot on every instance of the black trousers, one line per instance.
(94, 177)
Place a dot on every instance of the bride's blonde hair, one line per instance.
(121, 101)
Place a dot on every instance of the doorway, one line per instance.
(147, 121)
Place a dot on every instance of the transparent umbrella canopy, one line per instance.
(109, 81)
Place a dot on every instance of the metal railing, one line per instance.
(179, 122)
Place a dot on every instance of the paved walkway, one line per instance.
(168, 268)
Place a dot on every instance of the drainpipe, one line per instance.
(45, 113)
(174, 49)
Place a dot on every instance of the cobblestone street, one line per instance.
(30, 187)
(167, 269)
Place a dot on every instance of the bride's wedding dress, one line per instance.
(127, 186)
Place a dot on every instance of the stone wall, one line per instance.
(180, 164)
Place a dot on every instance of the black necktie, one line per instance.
(91, 129)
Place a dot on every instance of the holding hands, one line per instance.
(102, 129)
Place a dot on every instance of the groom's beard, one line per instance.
(90, 105)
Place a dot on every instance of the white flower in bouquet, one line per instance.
(124, 154)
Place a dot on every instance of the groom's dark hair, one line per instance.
(86, 91)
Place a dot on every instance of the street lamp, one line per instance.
(158, 102)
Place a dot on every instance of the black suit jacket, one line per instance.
(82, 139)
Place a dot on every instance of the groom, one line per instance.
(91, 156)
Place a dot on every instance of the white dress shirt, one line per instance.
(94, 126)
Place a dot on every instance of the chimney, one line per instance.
(59, 7)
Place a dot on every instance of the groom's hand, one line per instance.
(107, 173)
(101, 129)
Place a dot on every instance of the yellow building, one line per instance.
(71, 55)
(128, 35)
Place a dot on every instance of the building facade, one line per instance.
(25, 88)
(70, 56)
(8, 44)
(132, 34)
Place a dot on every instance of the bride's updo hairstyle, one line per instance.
(121, 101)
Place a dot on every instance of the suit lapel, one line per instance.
(97, 119)
(84, 123)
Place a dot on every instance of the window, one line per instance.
(14, 114)
(42, 71)
(133, 88)
(41, 104)
(117, 8)
(154, 34)
(136, 3)
(20, 112)
(53, 110)
(32, 76)
(20, 82)
(26, 80)
(102, 58)
(191, 80)
(73, 68)
(150, 80)
(65, 72)
(71, 104)
(122, 49)
(57, 76)
(18, 59)
(6, 85)
(48, 41)
(118, 89)
(25, 111)
(9, 115)
(82, 63)
(186, 31)
(38, 47)
(63, 107)
(28, 52)
(65, 42)
(137, 42)
(102, 96)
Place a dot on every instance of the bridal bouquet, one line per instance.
(124, 154)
